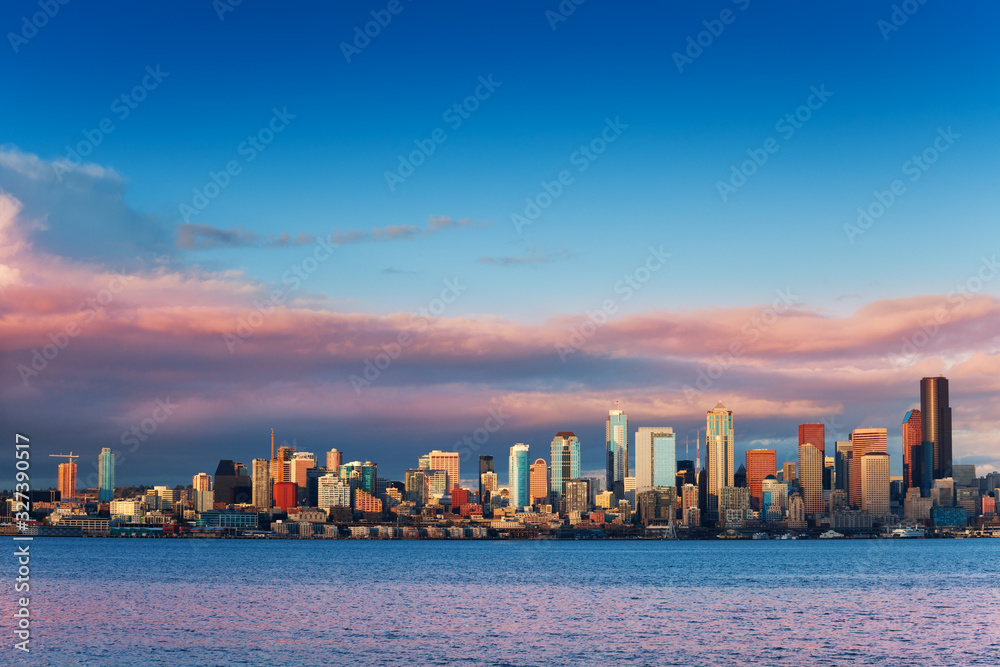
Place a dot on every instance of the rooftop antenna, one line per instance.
(697, 464)
(272, 444)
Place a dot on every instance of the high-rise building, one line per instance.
(539, 484)
(685, 474)
(67, 481)
(203, 495)
(774, 498)
(875, 484)
(912, 437)
(864, 441)
(231, 487)
(490, 483)
(760, 464)
(814, 434)
(577, 494)
(565, 458)
(485, 466)
(106, 492)
(935, 416)
(297, 466)
(285, 495)
(334, 459)
(415, 480)
(689, 505)
(261, 484)
(719, 441)
(279, 464)
(842, 465)
(447, 461)
(810, 471)
(331, 491)
(655, 457)
(517, 479)
(788, 472)
(616, 439)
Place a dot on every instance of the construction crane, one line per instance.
(69, 456)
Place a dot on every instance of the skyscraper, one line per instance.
(843, 465)
(655, 457)
(875, 484)
(416, 485)
(67, 481)
(204, 498)
(935, 415)
(814, 434)
(810, 470)
(333, 460)
(565, 458)
(517, 479)
(447, 461)
(912, 438)
(231, 487)
(106, 492)
(539, 485)
(863, 441)
(261, 484)
(719, 437)
(279, 464)
(788, 472)
(760, 464)
(485, 466)
(616, 438)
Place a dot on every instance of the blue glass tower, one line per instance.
(106, 491)
(565, 460)
(517, 481)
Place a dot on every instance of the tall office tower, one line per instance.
(67, 481)
(539, 484)
(810, 470)
(843, 465)
(261, 484)
(774, 498)
(415, 480)
(815, 435)
(689, 505)
(333, 460)
(279, 465)
(864, 441)
(935, 416)
(616, 439)
(106, 492)
(203, 495)
(485, 466)
(447, 461)
(331, 491)
(517, 475)
(369, 477)
(829, 473)
(655, 457)
(577, 494)
(760, 464)
(875, 484)
(565, 457)
(912, 437)
(719, 460)
(490, 483)
(788, 473)
(297, 467)
(231, 487)
(685, 474)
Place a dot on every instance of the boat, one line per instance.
(908, 532)
(831, 535)
(761, 536)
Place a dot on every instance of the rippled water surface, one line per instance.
(220, 602)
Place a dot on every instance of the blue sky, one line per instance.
(655, 185)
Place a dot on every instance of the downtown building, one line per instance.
(864, 441)
(760, 464)
(616, 442)
(810, 471)
(67, 481)
(106, 470)
(935, 415)
(564, 455)
(518, 476)
(655, 458)
(719, 442)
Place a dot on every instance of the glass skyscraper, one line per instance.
(655, 457)
(565, 459)
(935, 415)
(106, 492)
(517, 481)
(719, 439)
(616, 436)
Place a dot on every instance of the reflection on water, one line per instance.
(216, 602)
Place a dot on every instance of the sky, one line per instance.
(225, 218)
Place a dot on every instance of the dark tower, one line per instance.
(485, 466)
(935, 415)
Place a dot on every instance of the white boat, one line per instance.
(761, 536)
(831, 535)
(908, 532)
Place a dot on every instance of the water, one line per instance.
(220, 602)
